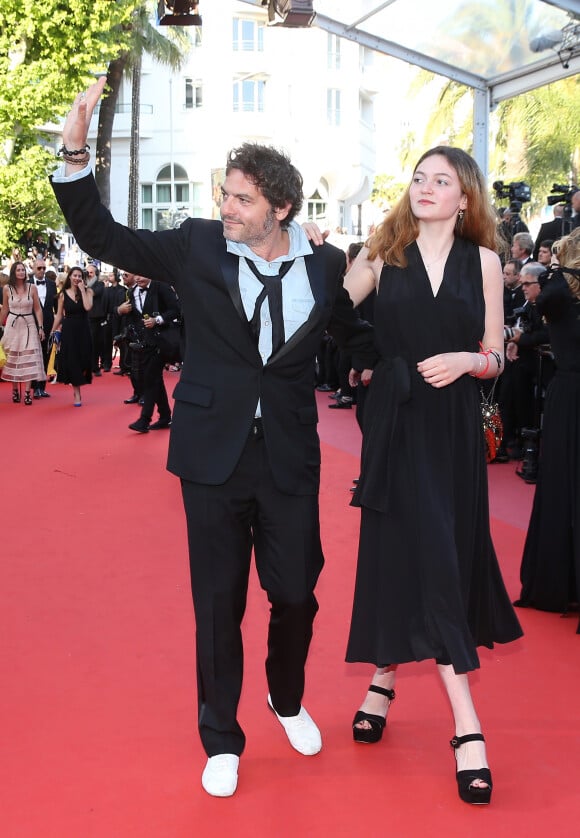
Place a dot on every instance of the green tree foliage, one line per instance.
(48, 52)
(538, 138)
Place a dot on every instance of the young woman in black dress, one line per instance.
(428, 582)
(74, 355)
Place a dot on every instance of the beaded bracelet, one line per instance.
(74, 152)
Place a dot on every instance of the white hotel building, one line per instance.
(302, 90)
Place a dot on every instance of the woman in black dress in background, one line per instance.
(550, 571)
(74, 355)
(428, 583)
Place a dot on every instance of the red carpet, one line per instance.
(97, 657)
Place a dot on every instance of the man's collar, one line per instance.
(298, 246)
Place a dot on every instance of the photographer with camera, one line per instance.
(550, 569)
(511, 222)
(519, 392)
(151, 305)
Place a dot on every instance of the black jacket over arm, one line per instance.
(223, 376)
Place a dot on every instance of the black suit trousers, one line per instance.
(149, 373)
(224, 523)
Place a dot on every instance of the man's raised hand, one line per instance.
(76, 126)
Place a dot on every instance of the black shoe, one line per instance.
(119, 372)
(141, 401)
(501, 456)
(465, 779)
(97, 373)
(15, 395)
(341, 404)
(141, 426)
(377, 723)
(36, 393)
(133, 400)
(106, 369)
(325, 388)
(160, 424)
(44, 394)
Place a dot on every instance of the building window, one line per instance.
(316, 209)
(333, 51)
(193, 94)
(168, 202)
(249, 95)
(333, 106)
(248, 35)
(366, 109)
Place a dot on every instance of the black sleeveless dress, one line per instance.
(428, 582)
(75, 353)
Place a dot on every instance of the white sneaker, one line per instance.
(220, 775)
(301, 731)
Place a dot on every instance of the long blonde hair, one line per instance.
(569, 257)
(479, 224)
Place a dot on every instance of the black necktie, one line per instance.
(273, 290)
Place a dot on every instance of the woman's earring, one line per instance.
(460, 215)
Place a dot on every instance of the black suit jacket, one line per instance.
(223, 376)
(50, 305)
(160, 299)
(550, 230)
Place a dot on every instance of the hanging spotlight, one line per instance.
(293, 13)
(178, 13)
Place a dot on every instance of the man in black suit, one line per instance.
(550, 230)
(151, 306)
(243, 437)
(97, 316)
(47, 295)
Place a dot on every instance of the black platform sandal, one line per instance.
(15, 395)
(27, 397)
(465, 779)
(377, 723)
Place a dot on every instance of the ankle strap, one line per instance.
(390, 694)
(458, 741)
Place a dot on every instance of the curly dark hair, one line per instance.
(272, 173)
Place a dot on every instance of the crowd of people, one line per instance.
(66, 328)
(258, 295)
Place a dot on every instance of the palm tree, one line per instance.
(141, 37)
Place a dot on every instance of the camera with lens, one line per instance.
(560, 194)
(514, 192)
(132, 337)
(523, 314)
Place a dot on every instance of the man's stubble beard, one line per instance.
(251, 240)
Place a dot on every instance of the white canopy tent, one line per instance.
(499, 48)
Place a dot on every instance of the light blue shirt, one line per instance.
(297, 298)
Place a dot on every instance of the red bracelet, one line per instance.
(486, 353)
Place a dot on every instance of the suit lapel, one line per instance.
(230, 267)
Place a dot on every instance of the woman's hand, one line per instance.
(314, 233)
(441, 370)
